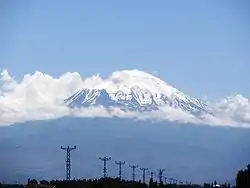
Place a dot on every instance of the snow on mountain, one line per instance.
(39, 96)
(134, 90)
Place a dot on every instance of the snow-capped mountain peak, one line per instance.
(126, 79)
(133, 90)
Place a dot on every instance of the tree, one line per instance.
(33, 181)
(44, 182)
(243, 178)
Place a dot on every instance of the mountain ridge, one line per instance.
(136, 91)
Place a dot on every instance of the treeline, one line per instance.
(107, 183)
(242, 181)
(243, 178)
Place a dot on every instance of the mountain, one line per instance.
(40, 96)
(134, 90)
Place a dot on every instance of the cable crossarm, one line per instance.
(68, 148)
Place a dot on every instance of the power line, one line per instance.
(105, 159)
(143, 173)
(133, 170)
(120, 163)
(68, 160)
(160, 171)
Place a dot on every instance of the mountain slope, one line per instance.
(134, 90)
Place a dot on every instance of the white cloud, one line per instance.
(5, 76)
(39, 96)
(234, 109)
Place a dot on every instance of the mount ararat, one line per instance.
(138, 91)
(134, 96)
(127, 93)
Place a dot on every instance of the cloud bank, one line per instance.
(39, 96)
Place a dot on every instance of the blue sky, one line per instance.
(200, 47)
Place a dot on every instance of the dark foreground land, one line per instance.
(108, 183)
(242, 181)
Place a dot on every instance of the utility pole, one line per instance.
(160, 171)
(68, 160)
(105, 159)
(171, 180)
(175, 181)
(120, 163)
(166, 180)
(133, 170)
(152, 175)
(143, 174)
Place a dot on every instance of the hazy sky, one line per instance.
(200, 47)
